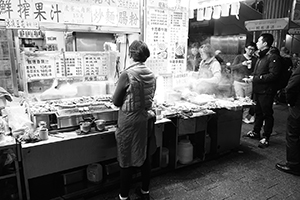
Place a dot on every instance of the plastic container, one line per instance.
(94, 173)
(185, 151)
(158, 114)
(164, 157)
(43, 133)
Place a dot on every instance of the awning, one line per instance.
(294, 25)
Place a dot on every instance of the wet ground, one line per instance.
(245, 173)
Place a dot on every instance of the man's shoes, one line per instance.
(140, 195)
(252, 119)
(263, 143)
(246, 120)
(287, 169)
(118, 198)
(253, 135)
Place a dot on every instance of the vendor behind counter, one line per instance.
(209, 75)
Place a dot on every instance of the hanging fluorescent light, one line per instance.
(200, 14)
(225, 10)
(217, 12)
(235, 7)
(205, 3)
(208, 13)
(191, 11)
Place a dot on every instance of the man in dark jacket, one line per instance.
(265, 77)
(292, 165)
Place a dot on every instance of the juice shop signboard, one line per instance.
(121, 13)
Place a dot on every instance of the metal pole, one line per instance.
(292, 43)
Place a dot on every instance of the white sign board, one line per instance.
(294, 31)
(267, 24)
(21, 24)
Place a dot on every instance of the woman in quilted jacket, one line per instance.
(134, 96)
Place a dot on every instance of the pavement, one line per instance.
(244, 173)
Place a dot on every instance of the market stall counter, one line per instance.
(185, 137)
(224, 129)
(68, 150)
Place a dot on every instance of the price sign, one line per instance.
(30, 34)
(21, 24)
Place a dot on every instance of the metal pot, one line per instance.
(100, 124)
(85, 126)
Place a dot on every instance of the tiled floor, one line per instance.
(247, 173)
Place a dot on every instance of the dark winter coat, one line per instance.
(266, 73)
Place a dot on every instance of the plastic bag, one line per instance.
(4, 128)
(18, 120)
(52, 93)
(68, 90)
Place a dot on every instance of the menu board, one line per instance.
(166, 35)
(178, 40)
(88, 65)
(39, 68)
(73, 64)
(95, 65)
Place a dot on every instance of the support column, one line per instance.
(278, 9)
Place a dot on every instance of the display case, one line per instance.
(63, 88)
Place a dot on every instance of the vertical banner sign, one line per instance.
(178, 36)
(166, 35)
(156, 35)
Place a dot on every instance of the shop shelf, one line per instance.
(194, 129)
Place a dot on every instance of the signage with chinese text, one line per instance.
(30, 33)
(21, 24)
(121, 13)
(294, 31)
(267, 24)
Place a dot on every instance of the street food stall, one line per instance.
(66, 119)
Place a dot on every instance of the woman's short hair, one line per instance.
(139, 51)
(207, 49)
(195, 45)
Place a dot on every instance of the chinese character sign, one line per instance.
(77, 13)
(116, 13)
(16, 9)
(124, 13)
